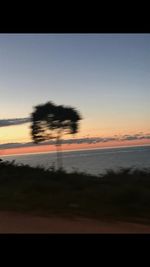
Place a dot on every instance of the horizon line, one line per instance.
(73, 150)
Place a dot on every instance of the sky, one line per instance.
(104, 76)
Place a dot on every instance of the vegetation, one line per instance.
(50, 121)
(122, 195)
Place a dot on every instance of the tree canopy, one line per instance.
(50, 121)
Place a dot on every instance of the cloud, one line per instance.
(9, 122)
(135, 137)
(84, 140)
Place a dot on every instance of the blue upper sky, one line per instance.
(105, 76)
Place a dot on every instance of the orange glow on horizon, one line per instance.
(52, 148)
(21, 133)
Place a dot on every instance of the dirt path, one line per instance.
(11, 222)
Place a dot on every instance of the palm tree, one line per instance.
(50, 121)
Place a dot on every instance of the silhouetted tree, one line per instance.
(50, 121)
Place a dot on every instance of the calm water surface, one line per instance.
(94, 161)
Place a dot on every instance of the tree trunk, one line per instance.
(59, 154)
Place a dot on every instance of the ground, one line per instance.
(13, 222)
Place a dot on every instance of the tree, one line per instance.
(50, 121)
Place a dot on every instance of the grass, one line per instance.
(121, 195)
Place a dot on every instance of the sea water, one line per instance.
(93, 161)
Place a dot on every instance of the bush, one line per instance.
(122, 194)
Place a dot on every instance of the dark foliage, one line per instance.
(122, 195)
(50, 121)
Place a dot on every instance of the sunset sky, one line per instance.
(105, 76)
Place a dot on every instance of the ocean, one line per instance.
(93, 161)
